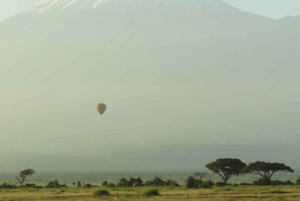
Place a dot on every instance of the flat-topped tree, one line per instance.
(226, 167)
(266, 170)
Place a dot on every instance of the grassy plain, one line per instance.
(229, 193)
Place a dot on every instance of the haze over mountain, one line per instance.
(182, 79)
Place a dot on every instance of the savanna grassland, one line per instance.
(227, 193)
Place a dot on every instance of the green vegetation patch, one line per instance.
(150, 192)
(278, 192)
(219, 184)
(7, 186)
(207, 184)
(55, 184)
(100, 193)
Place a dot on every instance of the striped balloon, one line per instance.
(101, 107)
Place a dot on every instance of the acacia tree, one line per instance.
(23, 175)
(200, 175)
(226, 167)
(266, 170)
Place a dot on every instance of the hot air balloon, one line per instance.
(101, 107)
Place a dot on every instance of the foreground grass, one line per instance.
(230, 193)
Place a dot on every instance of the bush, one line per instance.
(55, 184)
(245, 184)
(171, 183)
(276, 182)
(277, 192)
(100, 193)
(207, 184)
(262, 181)
(157, 181)
(123, 182)
(288, 182)
(131, 182)
(7, 186)
(111, 185)
(219, 184)
(135, 181)
(191, 182)
(32, 186)
(298, 181)
(150, 192)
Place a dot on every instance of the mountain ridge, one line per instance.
(129, 5)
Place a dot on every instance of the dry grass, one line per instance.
(243, 193)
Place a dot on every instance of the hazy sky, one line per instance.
(9, 8)
(270, 8)
(168, 85)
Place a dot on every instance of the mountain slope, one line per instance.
(170, 76)
(129, 5)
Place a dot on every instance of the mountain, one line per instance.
(173, 73)
(129, 5)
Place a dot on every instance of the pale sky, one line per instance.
(168, 85)
(270, 8)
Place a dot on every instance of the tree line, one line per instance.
(224, 167)
(227, 167)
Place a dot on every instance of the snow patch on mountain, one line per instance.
(129, 5)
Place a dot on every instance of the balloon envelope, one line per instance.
(101, 108)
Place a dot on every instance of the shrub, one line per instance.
(157, 181)
(123, 182)
(88, 186)
(131, 182)
(150, 192)
(288, 182)
(277, 192)
(7, 186)
(207, 184)
(78, 184)
(219, 184)
(191, 182)
(171, 183)
(100, 193)
(298, 181)
(276, 182)
(135, 181)
(262, 181)
(111, 185)
(245, 184)
(168, 182)
(227, 189)
(32, 186)
(55, 184)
